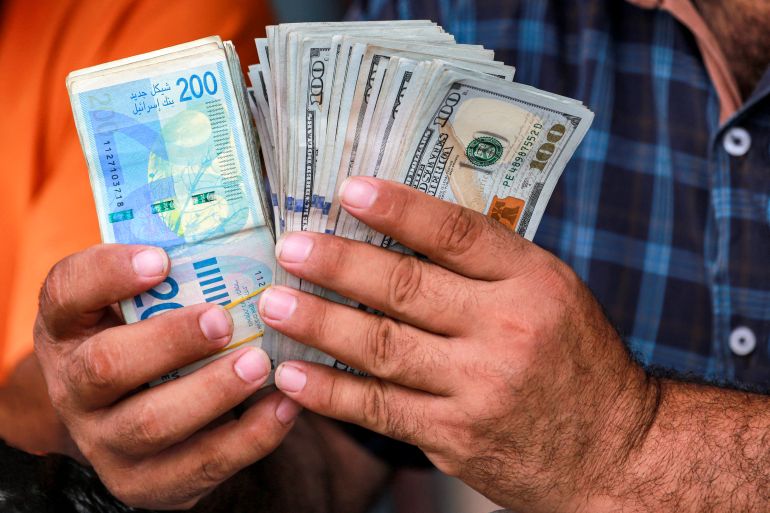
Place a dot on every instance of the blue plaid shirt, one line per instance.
(663, 212)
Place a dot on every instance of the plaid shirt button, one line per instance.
(737, 142)
(742, 341)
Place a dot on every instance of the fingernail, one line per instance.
(287, 411)
(253, 365)
(150, 263)
(216, 324)
(277, 304)
(357, 193)
(293, 248)
(290, 379)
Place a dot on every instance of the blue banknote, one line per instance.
(172, 162)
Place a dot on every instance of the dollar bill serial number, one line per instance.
(523, 152)
(544, 151)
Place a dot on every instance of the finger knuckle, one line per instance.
(58, 391)
(260, 442)
(330, 400)
(56, 291)
(459, 231)
(404, 282)
(96, 368)
(323, 324)
(40, 334)
(400, 425)
(558, 280)
(214, 468)
(58, 395)
(565, 276)
(374, 404)
(406, 423)
(335, 265)
(142, 432)
(381, 344)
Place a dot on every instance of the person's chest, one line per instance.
(659, 212)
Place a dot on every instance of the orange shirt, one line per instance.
(46, 208)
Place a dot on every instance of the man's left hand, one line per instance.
(493, 357)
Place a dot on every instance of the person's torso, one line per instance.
(664, 214)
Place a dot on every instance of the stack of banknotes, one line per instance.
(174, 159)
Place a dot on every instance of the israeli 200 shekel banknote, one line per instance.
(173, 163)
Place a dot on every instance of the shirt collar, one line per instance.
(761, 91)
(713, 58)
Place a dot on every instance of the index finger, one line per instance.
(79, 287)
(370, 402)
(454, 237)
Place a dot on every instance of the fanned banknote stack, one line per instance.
(400, 100)
(174, 161)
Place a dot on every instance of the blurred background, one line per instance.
(288, 11)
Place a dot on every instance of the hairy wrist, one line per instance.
(623, 432)
(705, 450)
(601, 416)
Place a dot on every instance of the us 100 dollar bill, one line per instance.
(494, 147)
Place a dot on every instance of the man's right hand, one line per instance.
(153, 448)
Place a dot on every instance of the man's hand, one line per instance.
(494, 359)
(153, 448)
